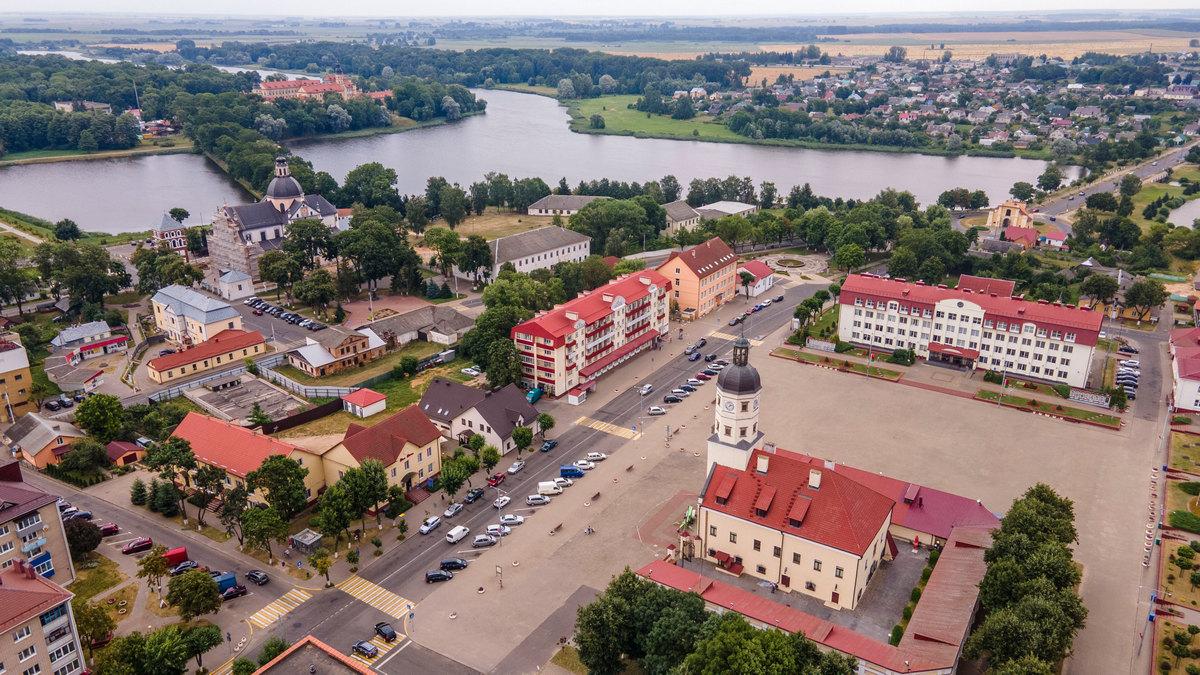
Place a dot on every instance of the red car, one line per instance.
(109, 529)
(138, 545)
(496, 479)
(703, 376)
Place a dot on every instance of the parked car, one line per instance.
(68, 512)
(453, 564)
(537, 500)
(514, 519)
(694, 382)
(232, 592)
(497, 530)
(703, 376)
(688, 388)
(711, 372)
(431, 523)
(672, 398)
(778, 298)
(721, 362)
(1132, 363)
(384, 630)
(138, 545)
(596, 456)
(165, 352)
(82, 515)
(549, 445)
(259, 577)
(655, 410)
(767, 303)
(109, 529)
(716, 366)
(689, 349)
(250, 300)
(1127, 349)
(257, 312)
(701, 343)
(185, 566)
(502, 501)
(694, 356)
(516, 466)
(710, 358)
(483, 541)
(585, 464)
(453, 510)
(471, 371)
(434, 576)
(645, 389)
(364, 648)
(756, 308)
(735, 320)
(496, 479)
(473, 495)
(53, 405)
(65, 402)
(681, 393)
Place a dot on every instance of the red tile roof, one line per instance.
(965, 352)
(986, 285)
(758, 268)
(350, 665)
(118, 449)
(617, 353)
(592, 306)
(385, 441)
(1081, 321)
(842, 513)
(705, 258)
(1185, 347)
(222, 343)
(235, 449)
(364, 397)
(1027, 236)
(23, 597)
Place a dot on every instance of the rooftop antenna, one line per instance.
(136, 100)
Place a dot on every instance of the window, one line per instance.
(28, 521)
(712, 530)
(795, 558)
(69, 668)
(745, 406)
(777, 552)
(733, 537)
(62, 651)
(757, 545)
(27, 653)
(810, 586)
(837, 572)
(21, 633)
(761, 569)
(37, 668)
(816, 565)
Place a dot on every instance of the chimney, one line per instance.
(761, 465)
(814, 479)
(769, 447)
(607, 297)
(573, 316)
(830, 464)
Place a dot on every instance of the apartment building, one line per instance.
(31, 529)
(1185, 369)
(977, 325)
(189, 317)
(15, 378)
(704, 277)
(38, 635)
(575, 343)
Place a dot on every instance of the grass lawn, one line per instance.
(128, 595)
(1050, 408)
(1034, 387)
(400, 394)
(208, 530)
(1185, 453)
(1177, 499)
(177, 143)
(1175, 584)
(417, 348)
(95, 575)
(1162, 652)
(826, 323)
(620, 119)
(834, 361)
(1152, 191)
(494, 223)
(156, 607)
(568, 658)
(552, 92)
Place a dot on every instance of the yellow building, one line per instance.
(223, 349)
(407, 444)
(704, 277)
(190, 317)
(15, 378)
(1011, 213)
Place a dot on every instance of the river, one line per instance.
(521, 135)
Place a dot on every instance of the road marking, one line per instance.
(727, 336)
(377, 596)
(383, 646)
(609, 428)
(280, 607)
(379, 664)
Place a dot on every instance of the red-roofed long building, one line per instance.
(1036, 339)
(575, 343)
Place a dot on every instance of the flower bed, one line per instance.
(836, 363)
(1052, 409)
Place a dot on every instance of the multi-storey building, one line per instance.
(190, 317)
(223, 349)
(704, 277)
(31, 528)
(977, 325)
(538, 249)
(38, 635)
(15, 378)
(578, 341)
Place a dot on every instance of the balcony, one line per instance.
(33, 544)
(30, 527)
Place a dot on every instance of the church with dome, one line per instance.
(241, 234)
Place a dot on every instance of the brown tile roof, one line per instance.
(310, 655)
(942, 618)
(24, 596)
(706, 258)
(222, 343)
(385, 441)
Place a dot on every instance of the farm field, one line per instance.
(771, 73)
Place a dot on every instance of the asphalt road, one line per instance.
(1072, 200)
(340, 620)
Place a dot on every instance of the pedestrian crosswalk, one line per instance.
(728, 336)
(382, 645)
(277, 609)
(609, 428)
(377, 596)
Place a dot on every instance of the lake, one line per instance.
(1186, 214)
(521, 135)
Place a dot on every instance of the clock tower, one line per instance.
(735, 430)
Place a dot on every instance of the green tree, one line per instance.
(1144, 295)
(171, 458)
(85, 270)
(282, 481)
(160, 266)
(453, 205)
(415, 213)
(1100, 288)
(262, 526)
(1022, 190)
(210, 482)
(1050, 179)
(153, 567)
(489, 457)
(370, 184)
(374, 486)
(1130, 185)
(67, 230)
(236, 502)
(244, 666)
(316, 290)
(503, 364)
(137, 492)
(848, 256)
(475, 258)
(200, 639)
(274, 646)
(545, 422)
(102, 416)
(596, 121)
(92, 621)
(83, 536)
(86, 456)
(522, 437)
(595, 625)
(321, 561)
(282, 269)
(452, 477)
(193, 593)
(258, 416)
(334, 513)
(308, 240)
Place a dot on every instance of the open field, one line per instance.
(771, 73)
(494, 223)
(162, 146)
(619, 118)
(1152, 191)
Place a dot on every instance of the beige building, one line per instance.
(704, 277)
(15, 378)
(680, 216)
(40, 440)
(31, 528)
(38, 635)
(336, 349)
(190, 317)
(223, 349)
(1011, 213)
(407, 444)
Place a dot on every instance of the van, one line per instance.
(457, 534)
(176, 555)
(549, 487)
(570, 471)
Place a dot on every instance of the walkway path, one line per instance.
(21, 233)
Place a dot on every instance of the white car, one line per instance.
(1132, 363)
(656, 410)
(537, 500)
(585, 465)
(431, 523)
(502, 501)
(767, 302)
(716, 366)
(645, 389)
(453, 510)
(681, 393)
(497, 530)
(564, 482)
(511, 519)
(471, 371)
(694, 382)
(597, 456)
(516, 467)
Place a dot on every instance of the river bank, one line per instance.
(180, 144)
(41, 229)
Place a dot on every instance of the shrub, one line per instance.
(903, 357)
(1186, 552)
(1062, 390)
(843, 347)
(933, 557)
(151, 496)
(1194, 545)
(1181, 419)
(925, 573)
(897, 633)
(1191, 487)
(993, 377)
(915, 595)
(137, 493)
(1184, 520)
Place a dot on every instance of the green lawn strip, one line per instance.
(826, 323)
(1165, 631)
(91, 581)
(1035, 405)
(838, 363)
(1185, 453)
(353, 376)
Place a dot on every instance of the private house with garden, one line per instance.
(703, 278)
(432, 323)
(336, 349)
(190, 317)
(226, 348)
(41, 441)
(460, 411)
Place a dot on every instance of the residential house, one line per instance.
(124, 453)
(227, 348)
(31, 527)
(1053, 238)
(1027, 237)
(537, 249)
(38, 625)
(189, 317)
(764, 278)
(336, 349)
(170, 233)
(561, 205)
(15, 378)
(407, 444)
(680, 216)
(432, 323)
(460, 411)
(84, 341)
(364, 402)
(238, 451)
(235, 285)
(39, 440)
(703, 277)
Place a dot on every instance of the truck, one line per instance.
(225, 581)
(570, 471)
(176, 555)
(533, 395)
(549, 487)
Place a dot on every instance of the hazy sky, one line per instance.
(392, 8)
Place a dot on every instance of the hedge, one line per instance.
(1184, 520)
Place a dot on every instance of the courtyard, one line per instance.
(237, 402)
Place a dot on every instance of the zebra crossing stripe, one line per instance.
(376, 596)
(279, 608)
